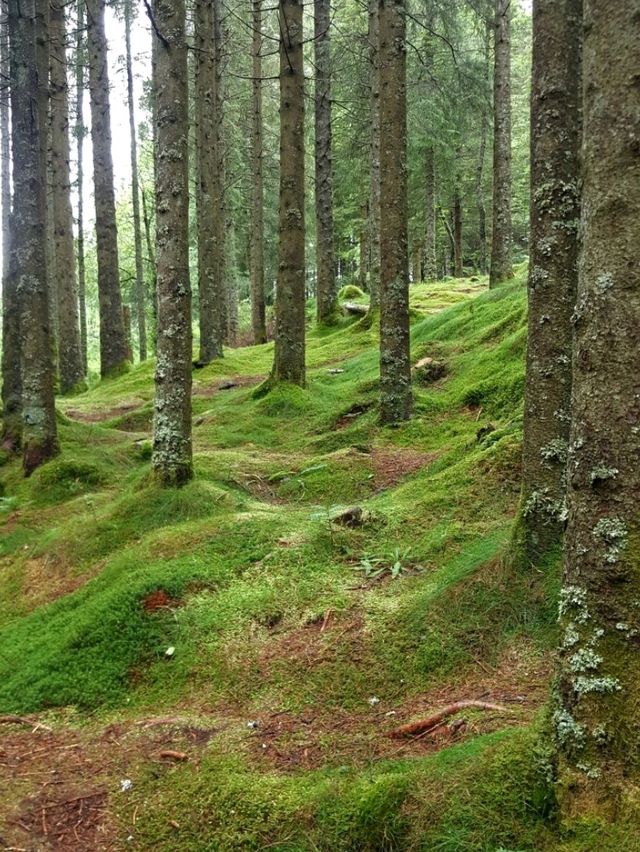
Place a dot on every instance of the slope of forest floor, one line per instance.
(219, 668)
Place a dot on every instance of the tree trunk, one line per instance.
(501, 269)
(219, 176)
(430, 259)
(480, 204)
(256, 239)
(211, 299)
(416, 261)
(553, 273)
(325, 258)
(135, 192)
(80, 134)
(172, 446)
(458, 271)
(113, 345)
(11, 390)
(289, 362)
(232, 290)
(363, 252)
(39, 433)
(151, 262)
(70, 363)
(395, 363)
(597, 724)
(374, 164)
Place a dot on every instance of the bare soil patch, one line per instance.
(392, 464)
(229, 383)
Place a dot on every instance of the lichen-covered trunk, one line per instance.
(289, 361)
(553, 271)
(11, 393)
(395, 364)
(363, 248)
(597, 721)
(256, 238)
(501, 269)
(141, 318)
(113, 345)
(210, 296)
(430, 258)
(172, 445)
(70, 361)
(374, 154)
(39, 433)
(325, 258)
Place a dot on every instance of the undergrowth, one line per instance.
(267, 614)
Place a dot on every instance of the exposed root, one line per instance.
(437, 720)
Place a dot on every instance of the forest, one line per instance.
(320, 425)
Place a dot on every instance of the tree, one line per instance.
(553, 271)
(135, 191)
(289, 361)
(597, 721)
(113, 343)
(172, 446)
(28, 247)
(11, 391)
(430, 259)
(374, 153)
(70, 361)
(80, 131)
(501, 269)
(395, 364)
(325, 259)
(256, 240)
(210, 283)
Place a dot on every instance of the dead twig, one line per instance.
(435, 721)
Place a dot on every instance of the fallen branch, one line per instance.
(23, 720)
(436, 721)
(168, 754)
(355, 310)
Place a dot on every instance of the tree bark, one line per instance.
(501, 269)
(597, 722)
(172, 444)
(289, 362)
(256, 239)
(141, 318)
(395, 364)
(113, 344)
(70, 363)
(151, 262)
(209, 295)
(11, 390)
(553, 272)
(39, 432)
(482, 150)
(458, 271)
(363, 251)
(325, 257)
(80, 135)
(219, 210)
(374, 163)
(430, 258)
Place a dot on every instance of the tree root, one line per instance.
(438, 719)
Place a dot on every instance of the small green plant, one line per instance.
(397, 565)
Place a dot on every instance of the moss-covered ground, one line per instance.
(240, 656)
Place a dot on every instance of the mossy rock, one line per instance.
(350, 291)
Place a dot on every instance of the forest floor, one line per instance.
(220, 668)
